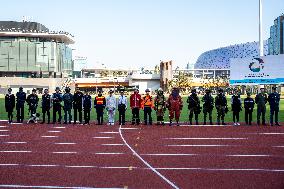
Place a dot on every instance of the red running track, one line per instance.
(68, 156)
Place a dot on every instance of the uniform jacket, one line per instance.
(9, 102)
(57, 99)
(32, 100)
(174, 103)
(236, 103)
(274, 99)
(208, 102)
(78, 99)
(220, 101)
(46, 101)
(110, 103)
(249, 104)
(87, 102)
(68, 100)
(160, 102)
(100, 102)
(261, 100)
(135, 100)
(193, 102)
(21, 98)
(147, 101)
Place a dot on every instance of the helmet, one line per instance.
(147, 90)
(67, 89)
(57, 89)
(10, 89)
(193, 91)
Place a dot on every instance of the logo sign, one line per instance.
(256, 66)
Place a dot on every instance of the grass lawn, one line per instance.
(184, 114)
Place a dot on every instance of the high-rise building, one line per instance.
(31, 50)
(275, 42)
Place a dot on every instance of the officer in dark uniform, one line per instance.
(56, 100)
(221, 106)
(248, 105)
(274, 99)
(20, 104)
(68, 100)
(261, 100)
(32, 101)
(46, 105)
(208, 105)
(236, 104)
(10, 104)
(193, 106)
(77, 105)
(100, 104)
(87, 105)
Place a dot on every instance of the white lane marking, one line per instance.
(3, 126)
(103, 137)
(217, 169)
(145, 162)
(59, 127)
(53, 131)
(60, 187)
(16, 123)
(9, 164)
(201, 145)
(170, 154)
(65, 143)
(64, 152)
(109, 153)
(206, 138)
(43, 165)
(15, 151)
(111, 132)
(4, 135)
(112, 144)
(49, 136)
(129, 128)
(4, 130)
(278, 146)
(269, 133)
(248, 155)
(203, 125)
(226, 155)
(81, 166)
(117, 167)
(15, 142)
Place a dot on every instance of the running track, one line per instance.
(68, 156)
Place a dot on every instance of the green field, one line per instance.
(184, 114)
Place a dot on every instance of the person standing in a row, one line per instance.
(221, 106)
(20, 104)
(147, 105)
(236, 104)
(175, 105)
(160, 106)
(110, 107)
(77, 105)
(46, 105)
(32, 101)
(68, 100)
(10, 104)
(87, 106)
(261, 100)
(274, 99)
(99, 104)
(208, 105)
(248, 105)
(57, 99)
(135, 105)
(193, 106)
(122, 106)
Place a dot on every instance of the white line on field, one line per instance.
(43, 165)
(201, 145)
(203, 125)
(15, 142)
(4, 135)
(278, 146)
(53, 131)
(111, 132)
(169, 154)
(49, 136)
(206, 138)
(103, 137)
(268, 133)
(3, 126)
(9, 164)
(60, 187)
(109, 153)
(129, 128)
(65, 143)
(112, 144)
(81, 166)
(226, 155)
(64, 152)
(59, 127)
(217, 169)
(4, 130)
(15, 151)
(145, 162)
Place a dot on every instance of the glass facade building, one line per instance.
(275, 41)
(32, 52)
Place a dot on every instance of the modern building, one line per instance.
(220, 58)
(275, 41)
(29, 50)
(80, 63)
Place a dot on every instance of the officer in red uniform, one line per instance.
(135, 105)
(100, 104)
(174, 104)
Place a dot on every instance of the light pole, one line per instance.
(260, 29)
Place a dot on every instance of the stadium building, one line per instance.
(276, 40)
(29, 50)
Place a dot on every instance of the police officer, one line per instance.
(87, 106)
(147, 105)
(20, 103)
(261, 100)
(122, 106)
(248, 105)
(56, 100)
(10, 104)
(77, 105)
(32, 101)
(193, 106)
(236, 104)
(68, 100)
(46, 105)
(160, 106)
(274, 99)
(99, 104)
(221, 106)
(208, 105)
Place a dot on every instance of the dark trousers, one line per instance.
(77, 110)
(209, 112)
(87, 115)
(32, 110)
(236, 116)
(10, 116)
(46, 111)
(220, 115)
(67, 112)
(20, 113)
(147, 112)
(135, 116)
(248, 116)
(121, 114)
(274, 111)
(191, 112)
(100, 115)
(57, 109)
(261, 112)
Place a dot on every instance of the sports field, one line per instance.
(184, 114)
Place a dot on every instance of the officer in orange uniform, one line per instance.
(174, 104)
(100, 104)
(147, 105)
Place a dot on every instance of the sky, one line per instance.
(140, 33)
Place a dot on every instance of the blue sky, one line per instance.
(137, 33)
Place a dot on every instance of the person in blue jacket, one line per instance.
(274, 99)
